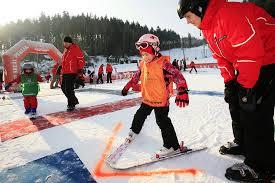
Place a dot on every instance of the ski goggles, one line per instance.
(144, 45)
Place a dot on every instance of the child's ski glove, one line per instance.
(126, 88)
(182, 98)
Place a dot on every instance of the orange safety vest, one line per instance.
(153, 87)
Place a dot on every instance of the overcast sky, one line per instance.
(152, 13)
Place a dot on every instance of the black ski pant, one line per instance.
(237, 128)
(91, 79)
(164, 122)
(259, 125)
(99, 79)
(192, 69)
(109, 77)
(67, 86)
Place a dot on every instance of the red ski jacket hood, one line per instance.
(241, 38)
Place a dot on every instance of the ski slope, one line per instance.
(206, 121)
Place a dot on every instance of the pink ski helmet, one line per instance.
(148, 40)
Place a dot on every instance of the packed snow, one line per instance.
(205, 121)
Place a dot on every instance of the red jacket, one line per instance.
(109, 68)
(100, 70)
(72, 60)
(241, 37)
(192, 64)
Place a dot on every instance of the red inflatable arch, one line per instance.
(12, 57)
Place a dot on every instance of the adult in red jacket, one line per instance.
(241, 37)
(109, 70)
(100, 74)
(193, 66)
(72, 64)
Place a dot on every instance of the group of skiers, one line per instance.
(71, 67)
(109, 70)
(181, 65)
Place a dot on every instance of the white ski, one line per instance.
(123, 166)
(115, 155)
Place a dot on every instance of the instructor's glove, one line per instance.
(7, 86)
(126, 88)
(231, 92)
(247, 99)
(182, 98)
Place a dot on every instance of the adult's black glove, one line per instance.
(247, 99)
(231, 92)
(7, 86)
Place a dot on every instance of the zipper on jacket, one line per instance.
(216, 42)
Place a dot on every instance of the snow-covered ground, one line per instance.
(205, 121)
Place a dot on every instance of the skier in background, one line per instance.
(100, 74)
(242, 38)
(175, 64)
(193, 66)
(109, 70)
(48, 77)
(184, 64)
(91, 75)
(30, 88)
(56, 71)
(156, 73)
(1, 79)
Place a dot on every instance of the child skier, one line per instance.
(30, 88)
(156, 73)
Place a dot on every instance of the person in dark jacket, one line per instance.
(241, 38)
(175, 64)
(1, 79)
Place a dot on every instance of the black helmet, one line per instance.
(28, 66)
(197, 7)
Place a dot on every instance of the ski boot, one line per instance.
(131, 136)
(32, 113)
(70, 108)
(27, 111)
(165, 151)
(231, 148)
